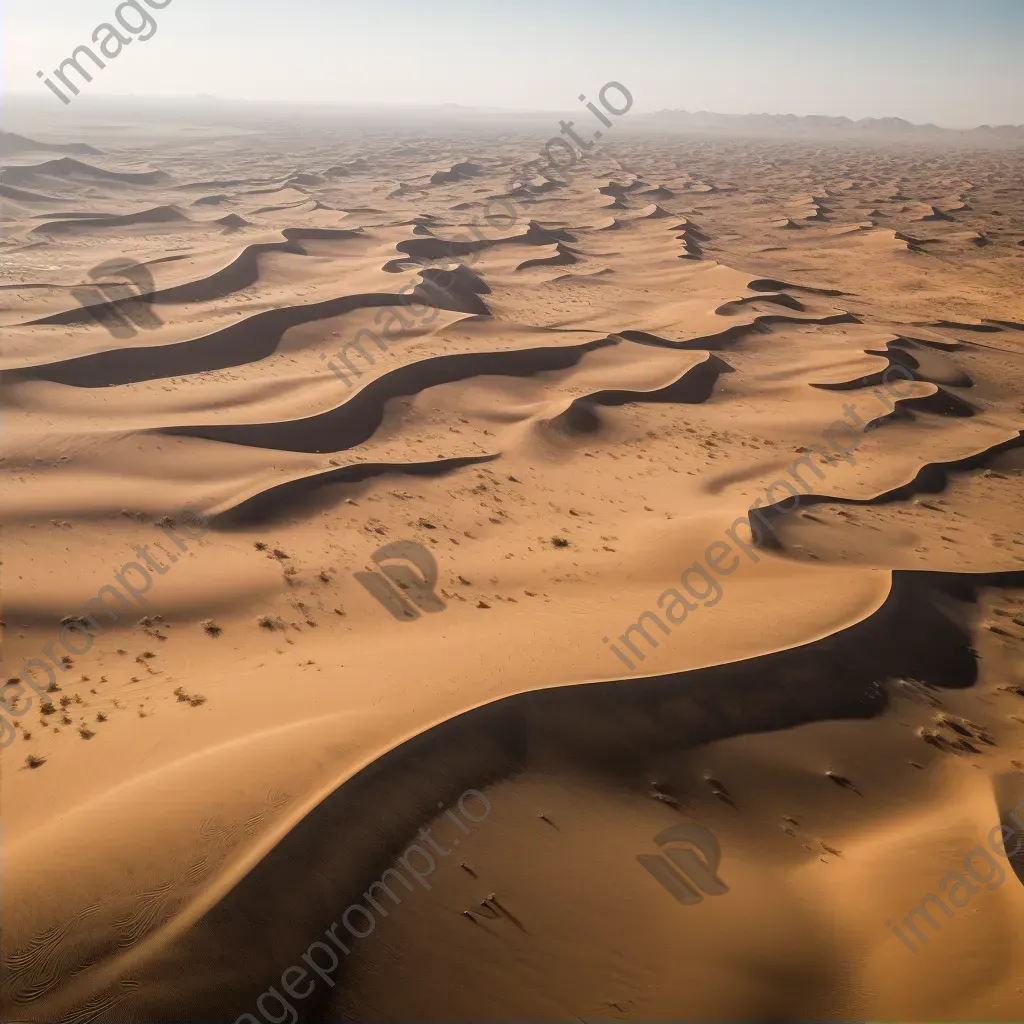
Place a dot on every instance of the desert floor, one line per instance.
(580, 403)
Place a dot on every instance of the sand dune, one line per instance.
(70, 170)
(157, 215)
(678, 352)
(12, 144)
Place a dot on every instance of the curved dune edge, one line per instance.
(356, 420)
(238, 273)
(924, 359)
(693, 386)
(930, 478)
(217, 350)
(739, 328)
(259, 501)
(68, 167)
(79, 991)
(167, 962)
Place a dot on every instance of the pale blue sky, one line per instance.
(955, 63)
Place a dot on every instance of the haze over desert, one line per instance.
(487, 538)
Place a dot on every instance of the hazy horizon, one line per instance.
(412, 107)
(890, 59)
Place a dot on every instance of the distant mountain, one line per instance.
(11, 144)
(818, 125)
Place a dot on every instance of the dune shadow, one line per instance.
(611, 733)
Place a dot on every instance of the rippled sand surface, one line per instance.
(716, 449)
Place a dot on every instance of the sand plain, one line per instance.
(566, 422)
